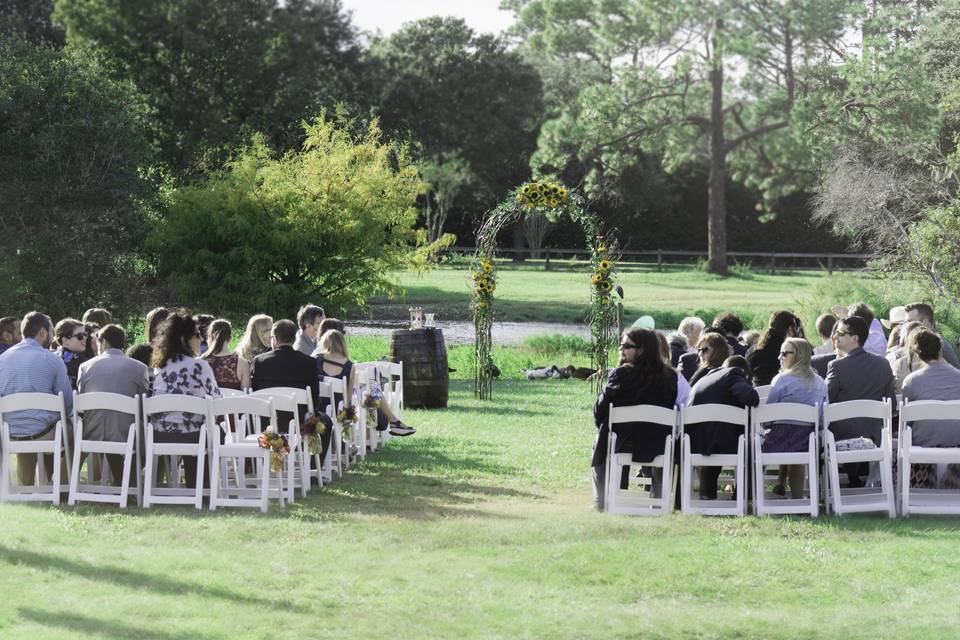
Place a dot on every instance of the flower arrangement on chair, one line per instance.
(347, 419)
(277, 444)
(311, 429)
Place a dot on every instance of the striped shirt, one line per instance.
(27, 367)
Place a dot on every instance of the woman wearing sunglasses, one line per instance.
(70, 336)
(797, 382)
(641, 377)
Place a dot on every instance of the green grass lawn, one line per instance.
(533, 294)
(477, 527)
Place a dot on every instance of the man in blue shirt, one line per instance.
(30, 366)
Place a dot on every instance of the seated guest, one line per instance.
(225, 364)
(896, 318)
(152, 322)
(641, 377)
(331, 324)
(750, 339)
(936, 380)
(97, 316)
(70, 337)
(203, 321)
(923, 313)
(730, 385)
(177, 369)
(824, 325)
(684, 339)
(30, 367)
(143, 352)
(797, 382)
(876, 340)
(308, 319)
(904, 361)
(857, 375)
(683, 387)
(254, 341)
(731, 325)
(765, 359)
(712, 350)
(111, 372)
(9, 332)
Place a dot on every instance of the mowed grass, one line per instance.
(533, 294)
(478, 526)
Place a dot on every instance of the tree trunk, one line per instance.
(717, 199)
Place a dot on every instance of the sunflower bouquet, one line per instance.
(347, 419)
(602, 273)
(542, 195)
(310, 430)
(484, 283)
(277, 444)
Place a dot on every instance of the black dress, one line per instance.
(765, 361)
(627, 386)
(344, 375)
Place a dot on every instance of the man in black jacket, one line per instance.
(284, 366)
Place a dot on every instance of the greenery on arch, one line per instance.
(552, 200)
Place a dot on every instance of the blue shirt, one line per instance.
(27, 367)
(789, 387)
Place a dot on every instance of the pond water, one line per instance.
(461, 332)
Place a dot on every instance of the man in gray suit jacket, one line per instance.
(857, 375)
(112, 372)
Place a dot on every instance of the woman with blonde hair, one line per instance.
(255, 340)
(796, 382)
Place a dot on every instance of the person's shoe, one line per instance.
(400, 429)
(780, 490)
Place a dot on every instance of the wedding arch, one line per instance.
(553, 201)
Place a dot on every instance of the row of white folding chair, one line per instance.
(237, 449)
(92, 491)
(358, 435)
(925, 500)
(366, 371)
(764, 503)
(58, 447)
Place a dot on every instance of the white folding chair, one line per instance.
(637, 503)
(40, 491)
(335, 459)
(764, 503)
(232, 393)
(395, 370)
(237, 449)
(917, 500)
(379, 371)
(763, 391)
(92, 491)
(713, 413)
(289, 399)
(371, 435)
(153, 494)
(357, 436)
(855, 500)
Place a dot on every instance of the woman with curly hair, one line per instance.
(178, 370)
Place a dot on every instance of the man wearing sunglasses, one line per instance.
(857, 375)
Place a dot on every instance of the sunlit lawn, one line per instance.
(477, 527)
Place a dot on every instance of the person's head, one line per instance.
(641, 348)
(713, 349)
(782, 325)
(71, 335)
(10, 330)
(925, 344)
(333, 343)
(111, 337)
(97, 316)
(37, 326)
(863, 310)
(664, 346)
(739, 362)
(331, 324)
(256, 337)
(690, 328)
(177, 337)
(825, 324)
(795, 355)
(284, 334)
(851, 332)
(309, 318)
(922, 313)
(154, 319)
(203, 321)
(907, 329)
(141, 352)
(219, 334)
(731, 323)
(751, 338)
(894, 340)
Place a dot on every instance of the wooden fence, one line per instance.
(772, 260)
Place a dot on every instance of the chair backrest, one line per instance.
(282, 399)
(232, 393)
(96, 400)
(713, 413)
(930, 410)
(763, 391)
(33, 401)
(784, 411)
(643, 413)
(251, 405)
(833, 412)
(301, 395)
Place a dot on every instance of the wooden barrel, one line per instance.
(426, 377)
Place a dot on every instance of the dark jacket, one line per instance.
(727, 385)
(689, 363)
(736, 347)
(678, 347)
(820, 363)
(765, 361)
(859, 375)
(285, 367)
(626, 387)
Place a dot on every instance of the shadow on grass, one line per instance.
(101, 627)
(488, 409)
(915, 526)
(132, 579)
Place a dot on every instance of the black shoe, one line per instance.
(400, 429)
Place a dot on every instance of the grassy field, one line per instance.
(476, 527)
(533, 294)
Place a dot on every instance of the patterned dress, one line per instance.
(225, 370)
(188, 376)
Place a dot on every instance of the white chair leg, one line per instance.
(75, 468)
